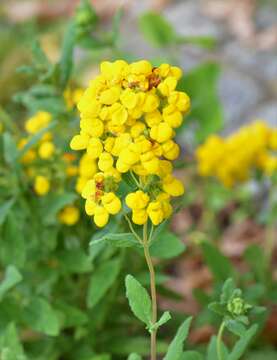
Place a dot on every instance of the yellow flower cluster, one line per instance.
(129, 114)
(232, 159)
(44, 150)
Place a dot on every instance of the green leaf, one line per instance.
(219, 264)
(11, 278)
(10, 346)
(236, 327)
(175, 349)
(227, 290)
(101, 280)
(157, 30)
(212, 350)
(53, 204)
(75, 261)
(118, 240)
(252, 253)
(163, 320)
(66, 61)
(191, 355)
(240, 347)
(39, 55)
(139, 300)
(41, 317)
(71, 315)
(134, 356)
(217, 308)
(13, 248)
(10, 149)
(167, 245)
(4, 210)
(206, 112)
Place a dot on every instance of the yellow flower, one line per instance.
(37, 122)
(111, 203)
(79, 142)
(46, 150)
(69, 215)
(167, 86)
(105, 162)
(161, 132)
(101, 216)
(110, 96)
(41, 185)
(170, 150)
(137, 200)
(140, 216)
(173, 186)
(155, 212)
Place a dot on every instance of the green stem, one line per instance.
(219, 341)
(153, 292)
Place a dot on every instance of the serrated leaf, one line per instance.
(4, 210)
(167, 245)
(11, 278)
(139, 300)
(101, 280)
(41, 317)
(175, 349)
(240, 347)
(118, 240)
(218, 263)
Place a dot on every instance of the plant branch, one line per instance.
(153, 291)
(219, 341)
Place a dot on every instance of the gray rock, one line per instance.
(239, 93)
(260, 63)
(267, 112)
(188, 20)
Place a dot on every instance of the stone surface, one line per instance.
(189, 20)
(267, 111)
(239, 93)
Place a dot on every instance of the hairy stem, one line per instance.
(153, 291)
(219, 341)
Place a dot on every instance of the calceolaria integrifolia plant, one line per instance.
(129, 114)
(128, 118)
